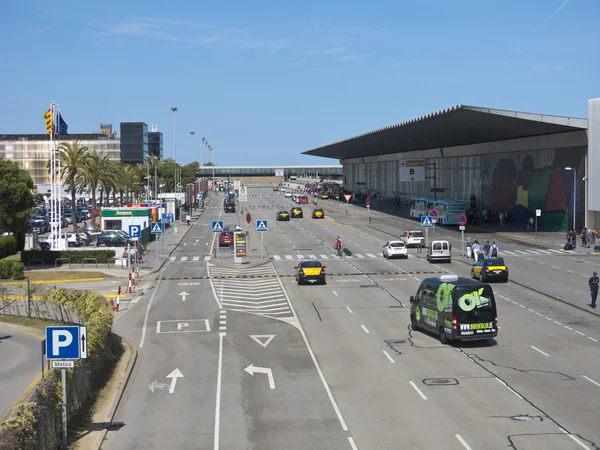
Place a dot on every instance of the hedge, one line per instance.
(11, 269)
(76, 256)
(8, 246)
(36, 423)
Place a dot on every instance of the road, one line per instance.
(267, 364)
(20, 354)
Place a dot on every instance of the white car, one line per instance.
(288, 194)
(392, 249)
(413, 238)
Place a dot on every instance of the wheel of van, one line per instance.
(443, 337)
(413, 323)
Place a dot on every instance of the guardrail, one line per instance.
(114, 260)
(36, 259)
(95, 261)
(61, 259)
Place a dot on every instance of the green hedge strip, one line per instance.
(76, 256)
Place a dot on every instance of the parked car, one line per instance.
(39, 224)
(111, 240)
(226, 239)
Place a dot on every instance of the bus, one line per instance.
(420, 206)
(449, 210)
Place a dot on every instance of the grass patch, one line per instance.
(43, 275)
(38, 324)
(15, 257)
(87, 421)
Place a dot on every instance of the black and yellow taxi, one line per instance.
(318, 213)
(297, 213)
(282, 215)
(275, 188)
(310, 271)
(324, 195)
(490, 270)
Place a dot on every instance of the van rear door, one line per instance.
(475, 311)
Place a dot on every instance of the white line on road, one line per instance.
(538, 350)
(335, 293)
(568, 328)
(352, 443)
(349, 310)
(418, 390)
(585, 276)
(579, 332)
(557, 323)
(592, 339)
(575, 439)
(529, 309)
(509, 388)
(462, 441)
(218, 400)
(590, 380)
(570, 271)
(541, 315)
(389, 357)
(365, 329)
(522, 306)
(148, 307)
(556, 267)
(541, 262)
(548, 318)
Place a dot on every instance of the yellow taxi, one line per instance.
(318, 214)
(275, 188)
(310, 271)
(297, 213)
(282, 215)
(490, 270)
(324, 196)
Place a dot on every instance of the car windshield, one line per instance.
(397, 244)
(495, 262)
(416, 234)
(311, 264)
(226, 233)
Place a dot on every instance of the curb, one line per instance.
(22, 328)
(545, 294)
(120, 391)
(81, 280)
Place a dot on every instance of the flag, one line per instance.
(62, 125)
(49, 121)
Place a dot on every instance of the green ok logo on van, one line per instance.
(467, 302)
(444, 296)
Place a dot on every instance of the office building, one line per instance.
(155, 144)
(134, 142)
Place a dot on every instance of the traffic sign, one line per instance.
(217, 226)
(347, 197)
(368, 201)
(169, 217)
(426, 222)
(262, 225)
(66, 342)
(243, 194)
(157, 228)
(135, 231)
(433, 213)
(462, 220)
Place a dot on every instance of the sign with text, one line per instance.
(240, 244)
(278, 172)
(243, 196)
(412, 170)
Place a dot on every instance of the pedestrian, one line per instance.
(594, 233)
(476, 249)
(494, 250)
(188, 218)
(589, 237)
(486, 250)
(469, 248)
(593, 283)
(583, 237)
(530, 226)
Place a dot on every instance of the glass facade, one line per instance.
(32, 152)
(299, 171)
(155, 144)
(134, 142)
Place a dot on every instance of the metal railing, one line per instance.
(89, 260)
(35, 259)
(61, 259)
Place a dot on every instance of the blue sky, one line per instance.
(265, 80)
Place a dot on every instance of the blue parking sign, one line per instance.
(66, 342)
(135, 231)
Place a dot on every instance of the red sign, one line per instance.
(347, 197)
(137, 205)
(368, 201)
(462, 219)
(433, 214)
(248, 218)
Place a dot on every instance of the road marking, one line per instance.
(522, 306)
(568, 328)
(334, 293)
(352, 443)
(529, 309)
(590, 380)
(591, 338)
(575, 439)
(557, 323)
(371, 255)
(300, 256)
(312, 256)
(538, 350)
(541, 315)
(389, 357)
(207, 257)
(570, 271)
(584, 276)
(354, 244)
(277, 257)
(349, 310)
(184, 258)
(463, 442)
(539, 262)
(555, 267)
(365, 328)
(324, 256)
(509, 388)
(196, 258)
(548, 318)
(288, 257)
(579, 332)
(144, 328)
(418, 390)
(218, 400)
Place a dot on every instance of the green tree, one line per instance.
(16, 197)
(73, 159)
(96, 169)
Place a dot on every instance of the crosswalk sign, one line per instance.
(426, 222)
(156, 228)
(262, 225)
(217, 226)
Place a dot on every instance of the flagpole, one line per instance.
(53, 211)
(74, 215)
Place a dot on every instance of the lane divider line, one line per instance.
(509, 388)
(574, 438)
(418, 390)
(389, 357)
(538, 350)
(349, 310)
(590, 380)
(365, 329)
(463, 442)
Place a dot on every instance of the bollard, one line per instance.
(129, 286)
(118, 296)
(117, 310)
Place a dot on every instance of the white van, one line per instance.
(413, 238)
(439, 251)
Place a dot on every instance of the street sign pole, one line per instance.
(217, 245)
(262, 246)
(462, 242)
(369, 210)
(64, 407)
(426, 237)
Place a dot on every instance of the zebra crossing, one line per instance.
(532, 251)
(298, 256)
(261, 296)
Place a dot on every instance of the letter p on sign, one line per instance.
(60, 339)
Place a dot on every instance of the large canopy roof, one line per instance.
(459, 125)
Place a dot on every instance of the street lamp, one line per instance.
(213, 164)
(574, 194)
(175, 109)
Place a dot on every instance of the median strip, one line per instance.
(224, 277)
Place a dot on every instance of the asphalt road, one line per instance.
(267, 364)
(20, 354)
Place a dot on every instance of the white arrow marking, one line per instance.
(252, 370)
(258, 337)
(156, 385)
(183, 295)
(173, 376)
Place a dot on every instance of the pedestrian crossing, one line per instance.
(532, 251)
(299, 256)
(260, 296)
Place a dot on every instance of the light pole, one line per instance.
(574, 194)
(204, 143)
(213, 164)
(175, 109)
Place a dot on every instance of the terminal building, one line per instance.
(504, 161)
(272, 174)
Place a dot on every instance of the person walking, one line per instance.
(583, 237)
(476, 250)
(594, 234)
(589, 237)
(593, 283)
(494, 250)
(486, 250)
(469, 245)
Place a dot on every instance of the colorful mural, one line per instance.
(521, 182)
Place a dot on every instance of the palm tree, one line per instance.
(95, 170)
(73, 158)
(108, 181)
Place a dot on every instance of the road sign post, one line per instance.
(262, 226)
(538, 213)
(347, 197)
(462, 222)
(63, 345)
(368, 203)
(426, 222)
(433, 214)
(217, 227)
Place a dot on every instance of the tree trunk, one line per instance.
(73, 204)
